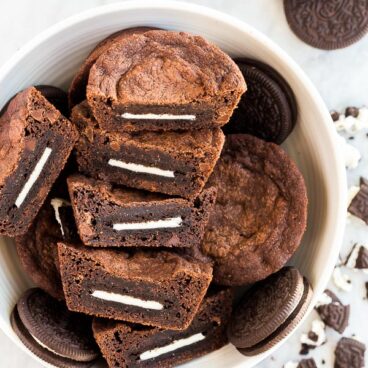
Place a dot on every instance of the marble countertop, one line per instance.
(341, 77)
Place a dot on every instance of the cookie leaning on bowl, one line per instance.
(260, 213)
(177, 163)
(163, 80)
(35, 143)
(126, 345)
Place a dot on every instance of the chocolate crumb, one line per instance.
(313, 336)
(352, 111)
(334, 115)
(307, 363)
(359, 204)
(349, 353)
(351, 138)
(366, 286)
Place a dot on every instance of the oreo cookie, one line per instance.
(268, 110)
(328, 25)
(268, 311)
(359, 204)
(332, 312)
(349, 353)
(50, 331)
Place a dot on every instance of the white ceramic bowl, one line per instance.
(54, 56)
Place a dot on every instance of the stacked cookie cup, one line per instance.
(137, 211)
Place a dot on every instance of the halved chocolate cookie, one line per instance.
(125, 345)
(77, 90)
(151, 288)
(174, 163)
(49, 330)
(269, 311)
(122, 217)
(163, 80)
(35, 143)
(260, 213)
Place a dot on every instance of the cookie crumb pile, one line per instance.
(140, 201)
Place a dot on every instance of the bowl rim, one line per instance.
(336, 236)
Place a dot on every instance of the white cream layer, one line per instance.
(126, 299)
(47, 348)
(159, 224)
(128, 115)
(323, 300)
(175, 345)
(33, 177)
(56, 203)
(141, 168)
(341, 280)
(318, 327)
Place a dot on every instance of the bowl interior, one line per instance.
(53, 58)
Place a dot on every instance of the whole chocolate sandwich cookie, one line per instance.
(174, 163)
(260, 213)
(35, 143)
(37, 248)
(269, 311)
(126, 345)
(108, 217)
(328, 25)
(57, 336)
(268, 110)
(77, 90)
(159, 289)
(163, 80)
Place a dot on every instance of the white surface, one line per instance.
(126, 299)
(33, 177)
(159, 224)
(338, 75)
(127, 115)
(141, 168)
(175, 345)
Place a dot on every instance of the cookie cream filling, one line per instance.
(150, 116)
(342, 281)
(323, 300)
(159, 224)
(318, 328)
(47, 348)
(141, 168)
(33, 177)
(56, 203)
(175, 345)
(126, 299)
(291, 365)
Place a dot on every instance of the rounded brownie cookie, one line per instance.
(163, 80)
(268, 110)
(77, 90)
(269, 311)
(260, 213)
(50, 331)
(328, 25)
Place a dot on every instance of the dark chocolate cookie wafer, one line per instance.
(269, 311)
(349, 353)
(334, 314)
(77, 90)
(56, 97)
(53, 333)
(268, 109)
(307, 363)
(328, 25)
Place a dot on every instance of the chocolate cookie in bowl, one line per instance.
(175, 162)
(35, 143)
(163, 80)
(124, 344)
(260, 213)
(108, 216)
